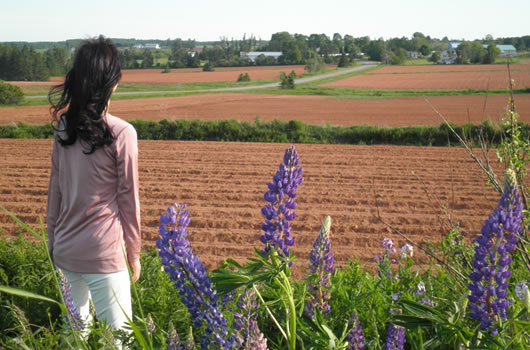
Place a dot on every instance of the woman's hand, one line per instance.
(136, 268)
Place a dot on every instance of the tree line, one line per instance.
(27, 64)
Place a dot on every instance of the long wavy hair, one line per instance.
(85, 94)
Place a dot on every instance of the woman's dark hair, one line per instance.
(85, 94)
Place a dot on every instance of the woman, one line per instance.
(93, 210)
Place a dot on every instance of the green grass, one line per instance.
(417, 62)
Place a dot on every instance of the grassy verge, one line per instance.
(286, 132)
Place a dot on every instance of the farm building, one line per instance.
(252, 55)
(152, 46)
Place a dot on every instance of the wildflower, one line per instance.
(279, 212)
(498, 237)
(427, 301)
(406, 250)
(520, 290)
(73, 317)
(190, 277)
(150, 324)
(321, 263)
(389, 245)
(173, 339)
(245, 322)
(420, 289)
(395, 339)
(396, 296)
(356, 335)
(189, 344)
(395, 311)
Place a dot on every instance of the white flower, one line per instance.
(407, 249)
(520, 290)
(420, 289)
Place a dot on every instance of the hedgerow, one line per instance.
(292, 132)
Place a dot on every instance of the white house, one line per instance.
(449, 56)
(252, 55)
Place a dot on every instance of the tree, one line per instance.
(315, 64)
(435, 57)
(425, 50)
(208, 67)
(491, 54)
(10, 94)
(287, 81)
(147, 59)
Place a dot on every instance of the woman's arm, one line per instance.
(128, 194)
(54, 199)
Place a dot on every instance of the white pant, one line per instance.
(110, 293)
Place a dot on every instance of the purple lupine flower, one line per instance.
(321, 263)
(256, 340)
(388, 245)
(498, 238)
(189, 344)
(150, 324)
(190, 277)
(356, 336)
(279, 212)
(73, 317)
(245, 323)
(396, 296)
(427, 301)
(395, 339)
(173, 339)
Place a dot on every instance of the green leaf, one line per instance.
(26, 294)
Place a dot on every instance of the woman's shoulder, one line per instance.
(119, 126)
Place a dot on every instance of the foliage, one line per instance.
(26, 64)
(315, 64)
(208, 67)
(293, 132)
(243, 77)
(10, 94)
(287, 81)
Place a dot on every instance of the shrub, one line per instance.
(243, 77)
(208, 67)
(10, 94)
(287, 81)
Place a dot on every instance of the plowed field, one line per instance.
(448, 68)
(224, 183)
(435, 81)
(310, 109)
(183, 76)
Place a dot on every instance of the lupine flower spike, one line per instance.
(321, 264)
(498, 238)
(173, 339)
(190, 277)
(189, 344)
(74, 317)
(356, 335)
(395, 339)
(248, 334)
(279, 212)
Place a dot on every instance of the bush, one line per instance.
(243, 77)
(287, 81)
(208, 67)
(10, 94)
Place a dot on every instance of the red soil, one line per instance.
(183, 76)
(310, 109)
(223, 184)
(448, 68)
(435, 81)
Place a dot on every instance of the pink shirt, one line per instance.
(93, 206)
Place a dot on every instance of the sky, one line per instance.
(209, 20)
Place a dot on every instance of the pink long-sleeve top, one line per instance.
(93, 209)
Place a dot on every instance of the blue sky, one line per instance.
(55, 20)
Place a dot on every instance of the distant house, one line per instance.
(449, 56)
(506, 50)
(152, 46)
(252, 55)
(412, 54)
